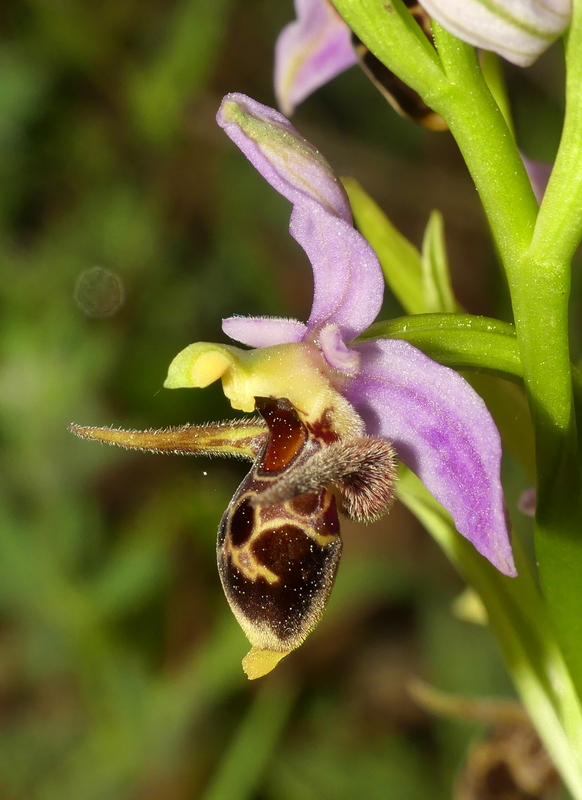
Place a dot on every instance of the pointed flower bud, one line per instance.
(285, 159)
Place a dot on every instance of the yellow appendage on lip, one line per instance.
(296, 371)
(258, 662)
(199, 365)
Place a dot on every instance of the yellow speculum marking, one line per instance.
(247, 563)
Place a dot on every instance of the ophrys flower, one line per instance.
(335, 411)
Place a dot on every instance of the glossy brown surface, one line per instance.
(242, 522)
(278, 562)
(286, 434)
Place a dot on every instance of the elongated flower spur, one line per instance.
(334, 413)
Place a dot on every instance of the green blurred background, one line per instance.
(129, 226)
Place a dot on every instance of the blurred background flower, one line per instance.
(119, 664)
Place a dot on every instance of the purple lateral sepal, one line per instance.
(264, 331)
(310, 51)
(442, 430)
(348, 281)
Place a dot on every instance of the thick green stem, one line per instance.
(488, 148)
(557, 233)
(535, 253)
(559, 226)
(539, 283)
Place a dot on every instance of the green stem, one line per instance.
(559, 226)
(557, 233)
(535, 254)
(389, 31)
(538, 279)
(488, 148)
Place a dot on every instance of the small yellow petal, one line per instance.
(258, 662)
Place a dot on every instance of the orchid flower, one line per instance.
(318, 45)
(336, 413)
(518, 30)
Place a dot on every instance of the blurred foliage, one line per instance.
(129, 226)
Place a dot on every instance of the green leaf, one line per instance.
(436, 280)
(240, 772)
(461, 341)
(421, 283)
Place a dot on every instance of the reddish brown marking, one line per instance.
(242, 522)
(331, 520)
(322, 430)
(287, 434)
(306, 504)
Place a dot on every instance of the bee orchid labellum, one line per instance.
(279, 541)
(278, 561)
(335, 413)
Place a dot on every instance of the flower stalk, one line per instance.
(535, 251)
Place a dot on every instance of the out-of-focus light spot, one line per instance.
(99, 292)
